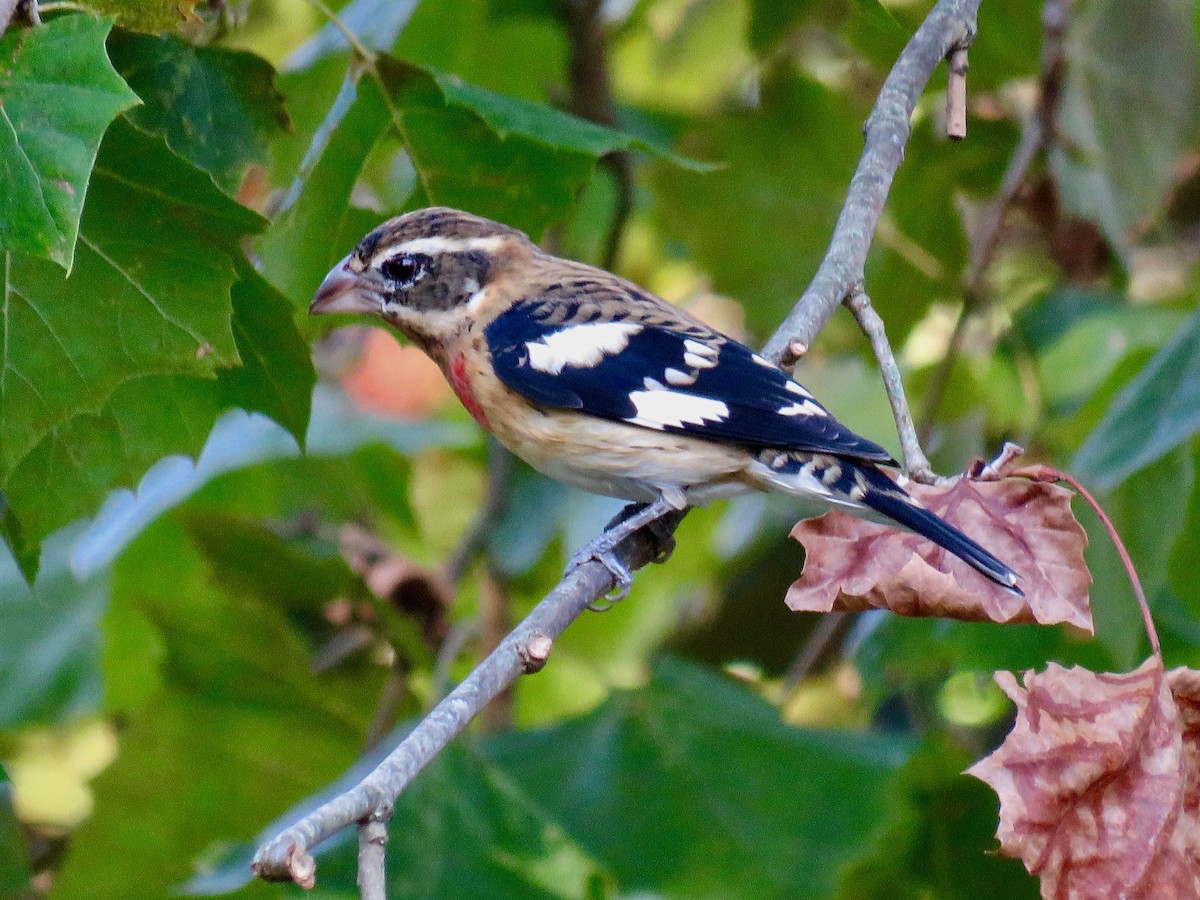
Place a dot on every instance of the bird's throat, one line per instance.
(458, 374)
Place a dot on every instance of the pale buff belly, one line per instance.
(625, 461)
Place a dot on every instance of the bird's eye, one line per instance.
(404, 270)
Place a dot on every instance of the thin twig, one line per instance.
(949, 26)
(460, 634)
(364, 53)
(913, 457)
(372, 863)
(494, 624)
(831, 627)
(495, 498)
(956, 94)
(526, 648)
(395, 689)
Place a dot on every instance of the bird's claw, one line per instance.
(601, 551)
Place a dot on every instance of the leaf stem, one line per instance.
(359, 47)
(1131, 571)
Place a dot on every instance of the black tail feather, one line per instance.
(885, 497)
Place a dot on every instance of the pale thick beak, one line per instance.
(342, 292)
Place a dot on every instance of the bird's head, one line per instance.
(424, 272)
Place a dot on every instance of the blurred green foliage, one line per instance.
(217, 619)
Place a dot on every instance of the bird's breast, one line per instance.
(459, 374)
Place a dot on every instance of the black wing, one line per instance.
(643, 363)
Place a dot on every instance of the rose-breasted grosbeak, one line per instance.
(600, 384)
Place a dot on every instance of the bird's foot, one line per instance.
(602, 549)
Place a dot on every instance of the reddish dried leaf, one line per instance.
(1097, 782)
(854, 565)
(1185, 688)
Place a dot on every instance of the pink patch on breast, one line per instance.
(461, 382)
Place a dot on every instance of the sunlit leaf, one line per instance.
(73, 468)
(58, 93)
(138, 303)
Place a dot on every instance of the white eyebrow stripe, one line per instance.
(431, 246)
(672, 409)
(579, 346)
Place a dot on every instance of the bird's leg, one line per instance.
(632, 518)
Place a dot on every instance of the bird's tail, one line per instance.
(887, 498)
(843, 482)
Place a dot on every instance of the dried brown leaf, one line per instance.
(854, 565)
(1098, 781)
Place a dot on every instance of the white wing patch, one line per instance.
(796, 388)
(580, 346)
(803, 408)
(671, 409)
(678, 378)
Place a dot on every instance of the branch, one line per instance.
(526, 649)
(949, 27)
(499, 468)
(912, 456)
(372, 845)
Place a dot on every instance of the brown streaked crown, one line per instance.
(432, 222)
